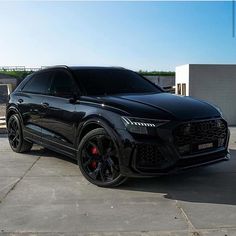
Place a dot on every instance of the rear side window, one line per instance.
(39, 83)
(63, 85)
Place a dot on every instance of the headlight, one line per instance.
(140, 125)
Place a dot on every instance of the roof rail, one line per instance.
(56, 66)
(119, 67)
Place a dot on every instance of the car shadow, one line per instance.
(44, 152)
(214, 184)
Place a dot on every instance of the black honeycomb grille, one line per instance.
(149, 156)
(189, 137)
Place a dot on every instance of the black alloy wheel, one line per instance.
(15, 136)
(99, 159)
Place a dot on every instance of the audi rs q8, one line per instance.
(115, 123)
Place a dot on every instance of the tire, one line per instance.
(15, 135)
(98, 159)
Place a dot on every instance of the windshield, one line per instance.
(113, 81)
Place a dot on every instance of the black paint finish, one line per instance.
(59, 122)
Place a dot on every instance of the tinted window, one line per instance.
(39, 83)
(113, 81)
(63, 85)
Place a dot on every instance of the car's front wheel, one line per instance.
(98, 159)
(15, 135)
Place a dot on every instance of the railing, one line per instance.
(19, 68)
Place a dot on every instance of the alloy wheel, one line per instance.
(14, 133)
(99, 158)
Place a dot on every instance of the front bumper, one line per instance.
(159, 154)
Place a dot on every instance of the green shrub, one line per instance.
(16, 74)
(160, 73)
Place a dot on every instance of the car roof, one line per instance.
(94, 67)
(82, 67)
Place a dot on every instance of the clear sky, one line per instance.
(135, 35)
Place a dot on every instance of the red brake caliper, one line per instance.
(94, 151)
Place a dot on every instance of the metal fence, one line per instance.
(19, 68)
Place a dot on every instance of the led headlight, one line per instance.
(140, 125)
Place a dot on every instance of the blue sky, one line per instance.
(136, 35)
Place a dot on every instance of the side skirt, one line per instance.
(52, 145)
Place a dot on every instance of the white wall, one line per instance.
(213, 83)
(181, 77)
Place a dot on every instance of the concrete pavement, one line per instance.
(44, 193)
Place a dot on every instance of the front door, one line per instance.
(29, 102)
(59, 119)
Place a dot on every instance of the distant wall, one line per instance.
(166, 82)
(3, 93)
(216, 84)
(213, 83)
(6, 79)
(7, 85)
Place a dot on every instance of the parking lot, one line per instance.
(43, 193)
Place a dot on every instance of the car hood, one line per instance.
(164, 105)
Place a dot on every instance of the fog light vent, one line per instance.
(221, 142)
(184, 149)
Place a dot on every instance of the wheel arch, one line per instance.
(11, 111)
(94, 123)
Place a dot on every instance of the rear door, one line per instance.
(30, 100)
(59, 119)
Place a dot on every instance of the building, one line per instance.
(7, 85)
(213, 83)
(7, 79)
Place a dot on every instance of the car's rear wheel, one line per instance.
(15, 135)
(98, 159)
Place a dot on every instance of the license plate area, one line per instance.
(204, 146)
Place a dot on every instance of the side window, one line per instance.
(63, 85)
(39, 83)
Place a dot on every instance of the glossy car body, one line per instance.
(194, 132)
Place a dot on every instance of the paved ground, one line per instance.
(2, 109)
(43, 193)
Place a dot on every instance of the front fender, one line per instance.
(95, 120)
(12, 109)
(116, 134)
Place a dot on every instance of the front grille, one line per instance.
(201, 136)
(148, 156)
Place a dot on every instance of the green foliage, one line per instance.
(16, 74)
(160, 73)
(23, 74)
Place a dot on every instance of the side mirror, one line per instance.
(74, 98)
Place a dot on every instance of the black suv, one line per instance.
(114, 122)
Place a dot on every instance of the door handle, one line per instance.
(45, 104)
(20, 100)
